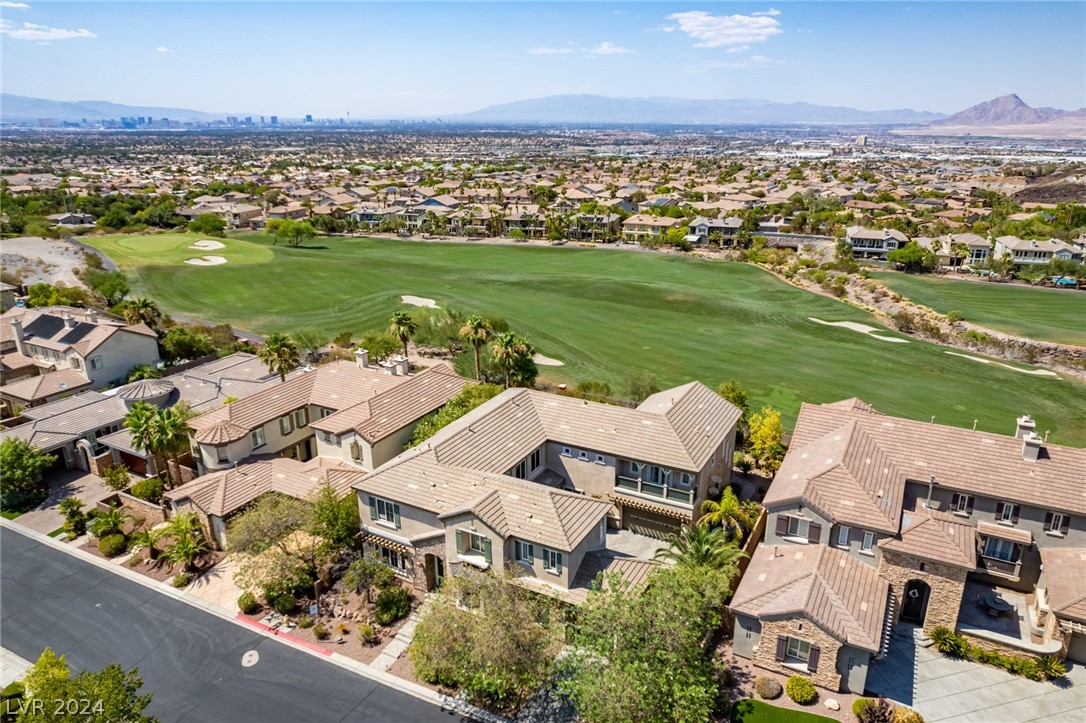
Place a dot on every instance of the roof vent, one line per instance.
(1026, 425)
(1031, 446)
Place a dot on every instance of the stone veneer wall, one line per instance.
(419, 579)
(947, 584)
(765, 655)
(1002, 649)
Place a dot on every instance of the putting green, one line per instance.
(605, 314)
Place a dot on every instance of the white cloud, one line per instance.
(14, 6)
(738, 49)
(608, 48)
(543, 50)
(715, 31)
(772, 12)
(754, 61)
(163, 49)
(31, 31)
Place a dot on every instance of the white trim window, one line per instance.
(567, 452)
(521, 470)
(1056, 523)
(1001, 549)
(286, 425)
(552, 561)
(301, 417)
(386, 511)
(393, 558)
(635, 470)
(523, 552)
(600, 459)
(843, 533)
(222, 455)
(686, 480)
(962, 504)
(582, 455)
(257, 437)
(536, 458)
(868, 543)
(798, 527)
(798, 650)
(96, 363)
(1006, 512)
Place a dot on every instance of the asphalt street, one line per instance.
(190, 660)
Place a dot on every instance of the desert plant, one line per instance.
(181, 580)
(878, 711)
(743, 463)
(393, 603)
(343, 628)
(248, 604)
(954, 316)
(1051, 667)
(149, 489)
(367, 634)
(108, 522)
(75, 519)
(768, 688)
(907, 715)
(801, 690)
(305, 622)
(949, 643)
(285, 604)
(321, 632)
(860, 705)
(112, 545)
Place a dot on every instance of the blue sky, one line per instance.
(414, 58)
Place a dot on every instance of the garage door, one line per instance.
(648, 523)
(134, 463)
(1077, 649)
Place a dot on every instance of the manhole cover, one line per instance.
(250, 659)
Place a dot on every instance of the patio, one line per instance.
(1014, 627)
(47, 516)
(632, 544)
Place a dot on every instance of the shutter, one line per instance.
(814, 532)
(782, 647)
(1066, 525)
(355, 451)
(999, 510)
(373, 509)
(1048, 521)
(486, 550)
(812, 659)
(782, 525)
(1014, 514)
(396, 514)
(558, 567)
(969, 503)
(459, 541)
(954, 502)
(284, 425)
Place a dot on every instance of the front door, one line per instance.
(915, 605)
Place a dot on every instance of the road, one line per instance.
(190, 660)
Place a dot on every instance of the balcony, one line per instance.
(651, 489)
(995, 566)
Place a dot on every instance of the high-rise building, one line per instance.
(308, 118)
(275, 120)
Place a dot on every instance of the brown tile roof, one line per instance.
(1014, 534)
(978, 463)
(221, 433)
(1065, 578)
(46, 385)
(843, 596)
(632, 570)
(935, 536)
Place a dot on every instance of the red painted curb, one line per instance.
(285, 636)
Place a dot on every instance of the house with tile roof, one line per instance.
(943, 517)
(532, 481)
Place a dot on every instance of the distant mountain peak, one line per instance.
(1005, 110)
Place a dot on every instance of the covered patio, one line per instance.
(1001, 615)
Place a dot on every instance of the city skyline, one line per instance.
(373, 60)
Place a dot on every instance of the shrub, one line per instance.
(149, 489)
(743, 463)
(182, 579)
(305, 622)
(954, 316)
(321, 632)
(393, 604)
(878, 711)
(801, 690)
(907, 715)
(367, 634)
(860, 705)
(116, 477)
(768, 688)
(1051, 666)
(343, 628)
(285, 604)
(949, 643)
(112, 545)
(248, 604)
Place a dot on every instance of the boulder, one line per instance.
(832, 704)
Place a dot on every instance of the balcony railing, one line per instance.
(651, 489)
(994, 565)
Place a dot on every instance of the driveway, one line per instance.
(945, 689)
(46, 517)
(217, 585)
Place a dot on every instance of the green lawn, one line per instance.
(1057, 315)
(755, 711)
(9, 514)
(604, 313)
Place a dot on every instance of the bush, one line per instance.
(112, 545)
(321, 632)
(182, 579)
(116, 477)
(1051, 666)
(860, 705)
(305, 622)
(150, 489)
(877, 711)
(285, 604)
(801, 690)
(954, 316)
(768, 688)
(949, 643)
(393, 604)
(248, 604)
(743, 463)
(367, 634)
(907, 715)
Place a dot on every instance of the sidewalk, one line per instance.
(12, 667)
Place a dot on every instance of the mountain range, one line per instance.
(20, 108)
(1005, 110)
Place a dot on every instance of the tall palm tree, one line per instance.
(402, 325)
(509, 351)
(729, 513)
(475, 331)
(142, 422)
(142, 310)
(702, 546)
(280, 354)
(174, 436)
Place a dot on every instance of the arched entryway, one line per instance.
(915, 604)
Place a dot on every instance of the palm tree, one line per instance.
(475, 331)
(280, 354)
(142, 310)
(403, 326)
(729, 513)
(185, 524)
(509, 351)
(143, 371)
(702, 546)
(142, 421)
(147, 538)
(185, 550)
(174, 436)
(110, 522)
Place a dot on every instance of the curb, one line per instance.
(444, 702)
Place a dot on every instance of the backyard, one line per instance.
(603, 314)
(1043, 314)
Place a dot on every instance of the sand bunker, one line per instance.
(1034, 372)
(419, 301)
(546, 361)
(206, 261)
(208, 245)
(862, 328)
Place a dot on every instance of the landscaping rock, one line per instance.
(832, 704)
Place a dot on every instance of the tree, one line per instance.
(702, 546)
(766, 434)
(639, 386)
(280, 354)
(185, 550)
(180, 344)
(143, 371)
(468, 399)
(913, 258)
(295, 233)
(114, 219)
(380, 344)
(110, 694)
(514, 356)
(368, 572)
(209, 224)
(48, 295)
(734, 392)
(21, 467)
(112, 286)
(335, 518)
(311, 342)
(144, 426)
(147, 538)
(402, 326)
(142, 310)
(174, 437)
(476, 331)
(109, 522)
(729, 513)
(268, 529)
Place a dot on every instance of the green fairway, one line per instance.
(1057, 315)
(604, 313)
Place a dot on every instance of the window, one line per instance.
(76, 364)
(552, 561)
(384, 512)
(257, 437)
(537, 458)
(356, 450)
(583, 455)
(1001, 549)
(842, 536)
(471, 546)
(962, 504)
(96, 362)
(301, 417)
(869, 541)
(635, 469)
(600, 459)
(285, 425)
(686, 481)
(1057, 523)
(220, 452)
(603, 531)
(1006, 512)
(567, 452)
(798, 527)
(523, 551)
(323, 412)
(393, 558)
(475, 543)
(798, 650)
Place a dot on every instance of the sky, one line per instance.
(411, 59)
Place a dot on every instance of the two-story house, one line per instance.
(909, 521)
(874, 243)
(535, 479)
(643, 226)
(706, 228)
(1025, 252)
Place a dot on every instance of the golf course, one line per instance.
(605, 314)
(1042, 314)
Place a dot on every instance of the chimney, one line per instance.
(69, 322)
(1026, 426)
(403, 367)
(1031, 446)
(362, 358)
(92, 316)
(17, 332)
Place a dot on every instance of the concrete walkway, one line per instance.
(945, 689)
(46, 517)
(397, 645)
(12, 667)
(217, 585)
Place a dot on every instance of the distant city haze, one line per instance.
(427, 60)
